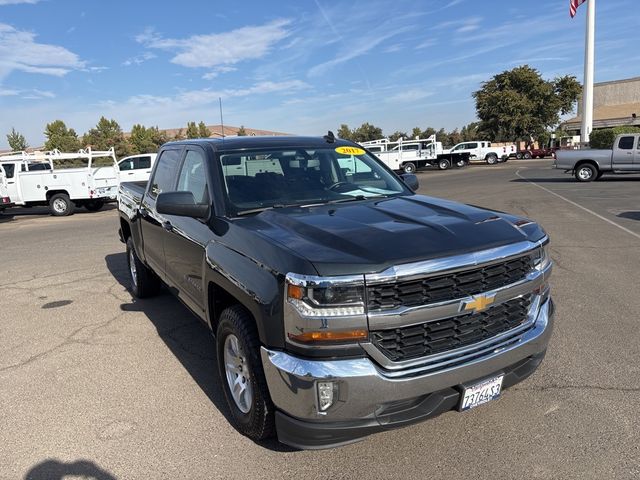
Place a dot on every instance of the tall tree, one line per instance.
(107, 134)
(241, 131)
(395, 136)
(60, 137)
(203, 131)
(16, 140)
(520, 104)
(146, 140)
(367, 132)
(192, 130)
(345, 132)
(179, 135)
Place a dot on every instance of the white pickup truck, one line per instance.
(41, 179)
(136, 168)
(482, 150)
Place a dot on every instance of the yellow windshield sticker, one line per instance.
(350, 150)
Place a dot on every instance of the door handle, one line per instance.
(167, 226)
(130, 173)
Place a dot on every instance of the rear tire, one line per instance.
(242, 376)
(527, 155)
(492, 159)
(444, 164)
(60, 205)
(144, 283)
(409, 167)
(586, 172)
(519, 156)
(94, 205)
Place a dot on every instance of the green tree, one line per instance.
(146, 140)
(203, 131)
(60, 137)
(470, 132)
(107, 134)
(192, 130)
(241, 131)
(179, 135)
(16, 140)
(345, 132)
(367, 132)
(520, 104)
(395, 136)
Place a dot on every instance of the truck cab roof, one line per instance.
(246, 142)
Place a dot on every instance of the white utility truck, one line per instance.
(484, 151)
(136, 168)
(62, 181)
(409, 155)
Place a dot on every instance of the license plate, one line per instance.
(481, 393)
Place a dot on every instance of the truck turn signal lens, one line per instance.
(294, 291)
(312, 337)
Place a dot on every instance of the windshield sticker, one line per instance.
(350, 150)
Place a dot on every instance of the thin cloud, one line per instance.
(20, 51)
(412, 95)
(139, 59)
(228, 48)
(16, 2)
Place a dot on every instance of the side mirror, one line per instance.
(410, 181)
(182, 204)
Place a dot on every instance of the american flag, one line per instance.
(573, 6)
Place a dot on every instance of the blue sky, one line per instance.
(299, 66)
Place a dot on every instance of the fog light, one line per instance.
(326, 393)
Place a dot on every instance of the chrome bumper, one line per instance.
(364, 387)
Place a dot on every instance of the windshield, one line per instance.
(272, 178)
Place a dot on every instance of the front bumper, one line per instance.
(371, 399)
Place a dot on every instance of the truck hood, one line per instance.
(369, 236)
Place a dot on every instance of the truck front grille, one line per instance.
(411, 293)
(434, 337)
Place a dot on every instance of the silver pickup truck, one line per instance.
(590, 164)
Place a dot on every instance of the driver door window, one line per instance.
(193, 177)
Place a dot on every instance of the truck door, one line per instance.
(152, 223)
(636, 158)
(11, 173)
(623, 153)
(186, 240)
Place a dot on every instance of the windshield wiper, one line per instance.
(356, 198)
(262, 209)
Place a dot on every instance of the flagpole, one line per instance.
(587, 92)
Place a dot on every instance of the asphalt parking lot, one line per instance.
(95, 384)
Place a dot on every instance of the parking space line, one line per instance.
(611, 222)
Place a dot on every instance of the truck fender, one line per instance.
(230, 278)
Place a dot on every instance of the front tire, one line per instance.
(242, 376)
(444, 164)
(586, 172)
(527, 155)
(144, 283)
(409, 167)
(60, 205)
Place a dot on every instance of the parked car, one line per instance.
(136, 168)
(342, 302)
(536, 153)
(590, 164)
(482, 150)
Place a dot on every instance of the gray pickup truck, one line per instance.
(590, 164)
(342, 302)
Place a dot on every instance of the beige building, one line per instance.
(615, 104)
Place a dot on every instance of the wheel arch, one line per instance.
(51, 193)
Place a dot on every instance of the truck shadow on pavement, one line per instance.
(45, 212)
(52, 469)
(630, 215)
(186, 336)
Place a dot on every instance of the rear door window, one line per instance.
(626, 143)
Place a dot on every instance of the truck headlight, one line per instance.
(325, 310)
(541, 260)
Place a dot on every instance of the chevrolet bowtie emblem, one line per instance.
(478, 303)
